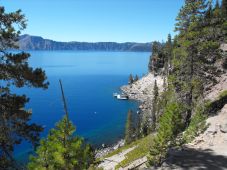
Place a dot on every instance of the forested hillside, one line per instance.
(185, 86)
(191, 63)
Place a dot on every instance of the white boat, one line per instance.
(122, 97)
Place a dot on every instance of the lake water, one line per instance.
(89, 80)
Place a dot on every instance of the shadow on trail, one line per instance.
(196, 159)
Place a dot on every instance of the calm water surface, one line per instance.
(89, 80)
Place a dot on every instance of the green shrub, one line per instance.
(213, 107)
(223, 94)
(196, 126)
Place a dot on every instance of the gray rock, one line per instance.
(223, 128)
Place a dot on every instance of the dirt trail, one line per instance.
(110, 162)
(208, 150)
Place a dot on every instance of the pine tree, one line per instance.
(209, 12)
(150, 64)
(224, 8)
(62, 150)
(145, 124)
(217, 14)
(154, 105)
(129, 128)
(168, 54)
(156, 47)
(130, 80)
(170, 125)
(15, 71)
(138, 127)
(136, 78)
(157, 59)
(190, 12)
(224, 22)
(189, 23)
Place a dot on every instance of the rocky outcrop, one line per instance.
(106, 150)
(142, 90)
(214, 92)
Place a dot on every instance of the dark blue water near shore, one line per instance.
(89, 80)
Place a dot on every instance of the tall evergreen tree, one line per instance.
(192, 11)
(224, 8)
(168, 54)
(158, 57)
(129, 128)
(15, 72)
(209, 12)
(156, 47)
(150, 64)
(154, 105)
(136, 78)
(138, 126)
(130, 79)
(189, 23)
(170, 125)
(217, 14)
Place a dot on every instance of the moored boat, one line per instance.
(122, 97)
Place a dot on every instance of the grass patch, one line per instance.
(142, 149)
(117, 151)
(222, 94)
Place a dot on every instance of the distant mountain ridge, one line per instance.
(28, 42)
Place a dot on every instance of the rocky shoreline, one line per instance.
(106, 150)
(142, 90)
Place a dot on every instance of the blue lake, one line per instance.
(89, 81)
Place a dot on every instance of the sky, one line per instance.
(98, 20)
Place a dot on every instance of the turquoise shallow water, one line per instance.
(89, 80)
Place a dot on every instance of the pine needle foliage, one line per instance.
(62, 150)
